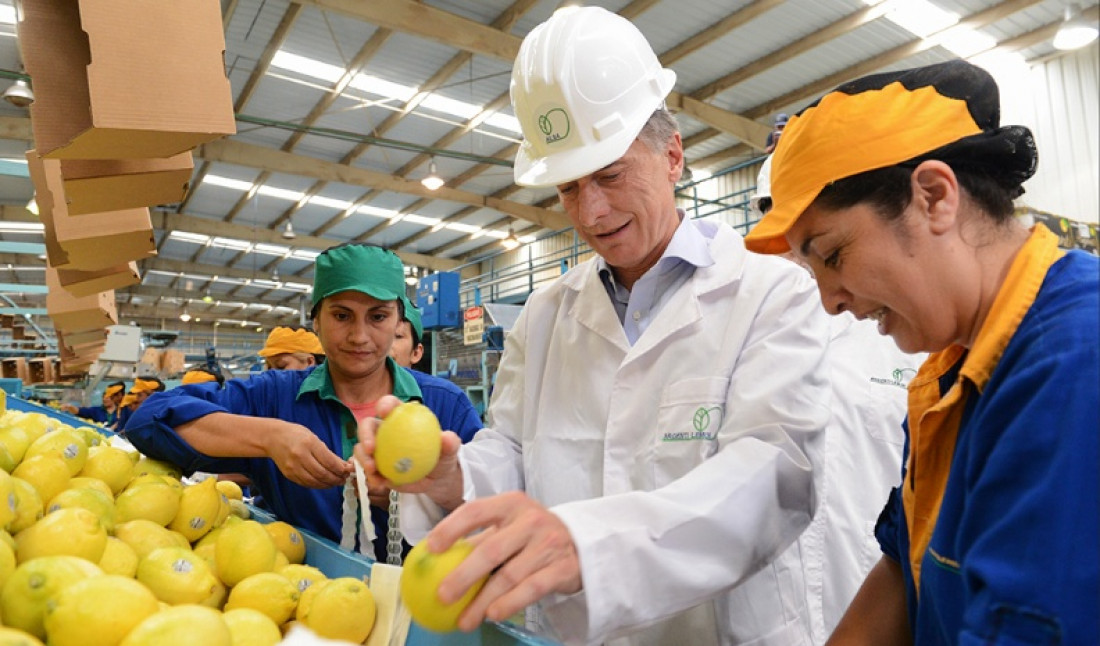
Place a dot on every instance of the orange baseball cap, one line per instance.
(283, 340)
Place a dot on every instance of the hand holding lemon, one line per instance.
(408, 448)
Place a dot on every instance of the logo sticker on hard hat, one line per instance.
(554, 124)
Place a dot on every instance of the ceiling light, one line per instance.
(19, 94)
(1075, 32)
(207, 298)
(411, 280)
(510, 241)
(433, 181)
(185, 317)
(288, 231)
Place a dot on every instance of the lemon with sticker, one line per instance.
(408, 443)
(420, 578)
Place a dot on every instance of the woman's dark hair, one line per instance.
(888, 191)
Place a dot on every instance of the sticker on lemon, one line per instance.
(407, 443)
(420, 579)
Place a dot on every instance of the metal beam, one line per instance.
(19, 311)
(9, 288)
(252, 156)
(33, 248)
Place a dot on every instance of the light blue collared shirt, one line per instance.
(639, 306)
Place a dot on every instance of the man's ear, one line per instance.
(674, 153)
(936, 193)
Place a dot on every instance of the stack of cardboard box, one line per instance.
(124, 90)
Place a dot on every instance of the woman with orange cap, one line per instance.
(898, 191)
(290, 349)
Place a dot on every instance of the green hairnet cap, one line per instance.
(412, 315)
(374, 271)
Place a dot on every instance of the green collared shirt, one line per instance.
(319, 381)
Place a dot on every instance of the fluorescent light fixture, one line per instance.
(421, 219)
(381, 87)
(306, 66)
(305, 254)
(21, 227)
(330, 202)
(186, 236)
(227, 182)
(263, 282)
(280, 193)
(270, 249)
(921, 17)
(377, 212)
(229, 281)
(1075, 32)
(231, 243)
(297, 287)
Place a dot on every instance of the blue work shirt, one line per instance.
(303, 397)
(1014, 556)
(97, 414)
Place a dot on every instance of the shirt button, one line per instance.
(637, 316)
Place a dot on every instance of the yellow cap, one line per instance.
(197, 377)
(146, 386)
(284, 340)
(111, 391)
(128, 399)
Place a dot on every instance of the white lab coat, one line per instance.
(863, 446)
(682, 466)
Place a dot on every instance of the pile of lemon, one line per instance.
(101, 546)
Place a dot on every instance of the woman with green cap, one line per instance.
(292, 432)
(897, 189)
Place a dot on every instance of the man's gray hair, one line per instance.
(656, 132)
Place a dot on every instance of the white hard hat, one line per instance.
(763, 188)
(583, 85)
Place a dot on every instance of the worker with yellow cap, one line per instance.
(139, 392)
(898, 190)
(290, 349)
(200, 376)
(105, 414)
(292, 431)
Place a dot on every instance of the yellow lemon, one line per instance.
(5, 537)
(242, 550)
(7, 562)
(198, 510)
(28, 505)
(251, 628)
(302, 576)
(35, 425)
(343, 609)
(8, 501)
(289, 540)
(94, 500)
(76, 532)
(15, 637)
(98, 611)
(206, 553)
(305, 601)
(177, 575)
(147, 464)
(230, 489)
(91, 436)
(217, 597)
(109, 464)
(47, 473)
(36, 583)
(184, 625)
(420, 579)
(146, 478)
(15, 441)
(83, 482)
(408, 443)
(210, 538)
(153, 501)
(271, 594)
(144, 536)
(69, 445)
(118, 558)
(280, 561)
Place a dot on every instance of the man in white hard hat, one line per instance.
(659, 409)
(863, 448)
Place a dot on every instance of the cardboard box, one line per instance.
(84, 337)
(74, 368)
(69, 312)
(41, 370)
(171, 362)
(95, 186)
(85, 283)
(125, 79)
(7, 320)
(15, 368)
(88, 242)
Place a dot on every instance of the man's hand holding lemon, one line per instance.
(522, 552)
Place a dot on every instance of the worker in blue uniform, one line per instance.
(292, 431)
(898, 191)
(105, 414)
